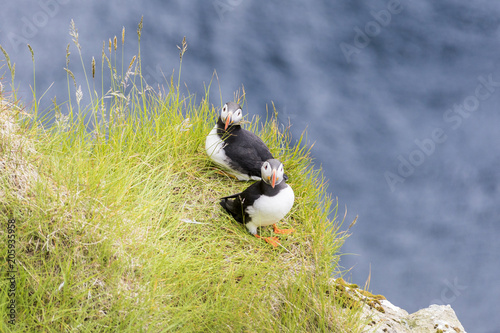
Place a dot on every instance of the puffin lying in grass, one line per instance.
(236, 149)
(263, 203)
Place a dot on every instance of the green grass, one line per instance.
(119, 227)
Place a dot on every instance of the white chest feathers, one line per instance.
(214, 148)
(270, 210)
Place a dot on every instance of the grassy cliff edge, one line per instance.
(118, 228)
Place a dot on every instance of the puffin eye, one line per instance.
(224, 108)
(265, 166)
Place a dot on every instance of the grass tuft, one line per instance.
(118, 226)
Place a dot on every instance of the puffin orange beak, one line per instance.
(228, 120)
(273, 182)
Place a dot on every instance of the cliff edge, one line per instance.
(382, 316)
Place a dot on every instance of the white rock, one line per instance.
(435, 318)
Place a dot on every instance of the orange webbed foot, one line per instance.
(271, 240)
(282, 231)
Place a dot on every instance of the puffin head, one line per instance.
(231, 114)
(272, 172)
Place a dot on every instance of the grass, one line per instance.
(118, 226)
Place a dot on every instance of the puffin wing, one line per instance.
(233, 205)
(231, 196)
(256, 154)
(249, 151)
(261, 150)
(236, 204)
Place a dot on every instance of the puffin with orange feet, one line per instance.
(263, 203)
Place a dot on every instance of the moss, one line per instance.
(355, 295)
(412, 323)
(341, 281)
(370, 295)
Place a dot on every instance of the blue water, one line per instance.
(394, 94)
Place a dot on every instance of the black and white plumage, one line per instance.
(263, 203)
(238, 150)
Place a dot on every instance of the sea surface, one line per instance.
(400, 98)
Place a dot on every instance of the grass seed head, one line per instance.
(139, 29)
(67, 55)
(32, 53)
(71, 74)
(183, 48)
(73, 32)
(131, 63)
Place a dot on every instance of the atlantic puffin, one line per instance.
(234, 148)
(264, 202)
